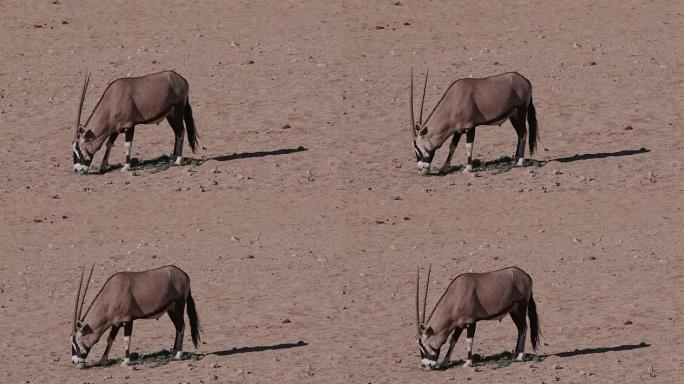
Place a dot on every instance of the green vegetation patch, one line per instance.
(155, 359)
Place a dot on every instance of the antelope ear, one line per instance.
(86, 330)
(429, 332)
(89, 135)
(423, 131)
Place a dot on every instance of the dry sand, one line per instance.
(328, 236)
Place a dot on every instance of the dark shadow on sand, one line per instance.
(591, 351)
(601, 155)
(258, 348)
(500, 165)
(164, 162)
(250, 155)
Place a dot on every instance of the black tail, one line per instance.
(190, 127)
(532, 123)
(534, 323)
(195, 327)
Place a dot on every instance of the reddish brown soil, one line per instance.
(329, 237)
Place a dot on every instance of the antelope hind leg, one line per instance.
(470, 338)
(128, 329)
(128, 144)
(470, 141)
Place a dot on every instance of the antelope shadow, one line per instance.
(164, 162)
(163, 357)
(497, 360)
(601, 155)
(258, 348)
(500, 165)
(591, 351)
(250, 155)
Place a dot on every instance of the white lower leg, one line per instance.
(179, 343)
(128, 146)
(127, 349)
(521, 162)
(469, 150)
(469, 347)
(521, 350)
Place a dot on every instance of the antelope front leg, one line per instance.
(128, 329)
(454, 142)
(470, 338)
(105, 160)
(110, 341)
(446, 363)
(128, 144)
(470, 141)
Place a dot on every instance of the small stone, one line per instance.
(286, 126)
(628, 128)
(576, 240)
(286, 321)
(575, 45)
(628, 322)
(248, 62)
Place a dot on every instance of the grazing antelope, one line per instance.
(472, 297)
(130, 101)
(467, 104)
(128, 296)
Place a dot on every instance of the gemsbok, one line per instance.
(128, 296)
(467, 104)
(127, 102)
(472, 297)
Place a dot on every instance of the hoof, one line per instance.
(521, 163)
(468, 168)
(126, 363)
(178, 161)
(178, 356)
(468, 363)
(521, 357)
(126, 167)
(80, 365)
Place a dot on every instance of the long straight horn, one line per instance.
(78, 294)
(80, 103)
(413, 119)
(85, 292)
(427, 285)
(417, 301)
(422, 102)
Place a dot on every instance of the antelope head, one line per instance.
(79, 347)
(423, 155)
(428, 354)
(82, 158)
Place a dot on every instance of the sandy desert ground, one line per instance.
(302, 242)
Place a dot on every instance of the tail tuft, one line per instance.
(532, 123)
(190, 127)
(534, 323)
(195, 327)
